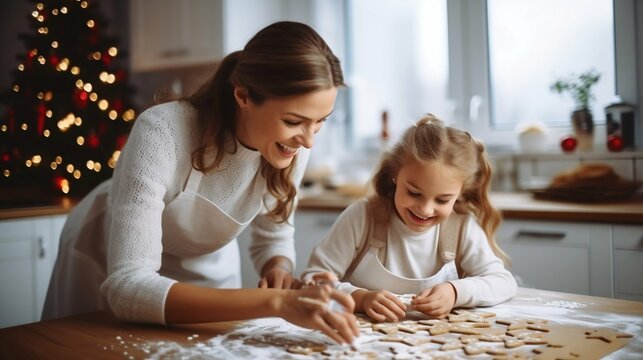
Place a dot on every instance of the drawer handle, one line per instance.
(42, 251)
(541, 234)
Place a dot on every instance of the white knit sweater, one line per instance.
(151, 172)
(413, 254)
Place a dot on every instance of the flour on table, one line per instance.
(565, 304)
(465, 333)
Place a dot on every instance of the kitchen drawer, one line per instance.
(628, 261)
(546, 233)
(549, 255)
(627, 237)
(564, 269)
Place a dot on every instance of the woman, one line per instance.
(157, 243)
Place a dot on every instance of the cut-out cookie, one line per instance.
(555, 353)
(468, 339)
(396, 339)
(475, 349)
(522, 333)
(416, 341)
(518, 324)
(538, 326)
(412, 327)
(386, 328)
(513, 342)
(460, 315)
(607, 335)
(301, 350)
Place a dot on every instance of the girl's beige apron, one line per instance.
(371, 274)
(199, 246)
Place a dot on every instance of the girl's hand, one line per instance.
(309, 308)
(436, 301)
(322, 278)
(382, 305)
(279, 279)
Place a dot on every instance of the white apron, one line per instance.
(199, 239)
(371, 274)
(199, 246)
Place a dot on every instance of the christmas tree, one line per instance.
(68, 111)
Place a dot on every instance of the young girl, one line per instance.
(428, 230)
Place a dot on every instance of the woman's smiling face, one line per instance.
(425, 193)
(278, 128)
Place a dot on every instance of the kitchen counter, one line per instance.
(62, 205)
(519, 205)
(100, 336)
(514, 205)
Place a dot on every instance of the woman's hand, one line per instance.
(309, 308)
(381, 305)
(436, 301)
(279, 279)
(277, 274)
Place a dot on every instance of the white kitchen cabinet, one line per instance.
(170, 33)
(628, 261)
(559, 256)
(28, 250)
(310, 228)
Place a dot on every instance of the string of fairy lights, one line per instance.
(85, 91)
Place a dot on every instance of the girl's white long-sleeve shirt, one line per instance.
(151, 172)
(413, 254)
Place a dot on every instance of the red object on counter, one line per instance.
(615, 143)
(568, 143)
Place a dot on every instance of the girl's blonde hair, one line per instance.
(430, 140)
(282, 60)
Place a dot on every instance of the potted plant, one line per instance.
(580, 88)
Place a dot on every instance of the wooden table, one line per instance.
(101, 336)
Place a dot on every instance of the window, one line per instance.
(486, 65)
(534, 42)
(505, 54)
(398, 63)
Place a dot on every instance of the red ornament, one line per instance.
(120, 141)
(568, 144)
(42, 110)
(106, 59)
(6, 157)
(93, 141)
(54, 60)
(30, 56)
(117, 105)
(58, 182)
(80, 98)
(615, 143)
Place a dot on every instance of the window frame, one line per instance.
(469, 73)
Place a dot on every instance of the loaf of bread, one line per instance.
(586, 176)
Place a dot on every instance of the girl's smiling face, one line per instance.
(425, 193)
(278, 128)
